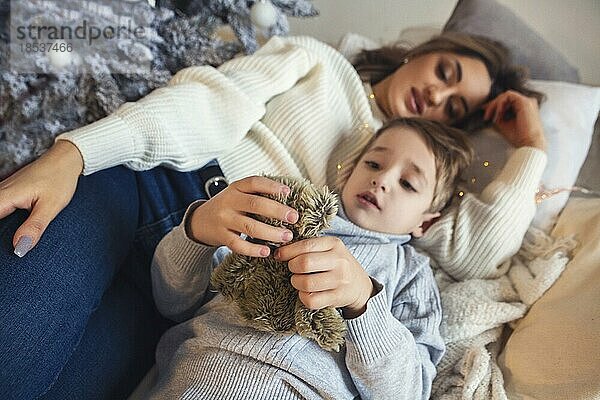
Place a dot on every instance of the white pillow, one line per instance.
(568, 116)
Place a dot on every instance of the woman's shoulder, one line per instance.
(324, 51)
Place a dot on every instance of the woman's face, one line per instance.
(442, 87)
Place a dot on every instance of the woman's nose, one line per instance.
(434, 95)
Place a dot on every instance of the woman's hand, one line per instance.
(517, 117)
(326, 274)
(44, 187)
(220, 220)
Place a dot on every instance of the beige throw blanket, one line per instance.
(476, 311)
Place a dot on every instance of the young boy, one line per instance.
(363, 266)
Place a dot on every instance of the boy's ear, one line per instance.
(426, 221)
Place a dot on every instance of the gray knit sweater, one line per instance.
(391, 350)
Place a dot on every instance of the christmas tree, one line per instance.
(44, 93)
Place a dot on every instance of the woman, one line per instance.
(295, 107)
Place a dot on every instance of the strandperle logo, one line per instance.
(86, 31)
(51, 35)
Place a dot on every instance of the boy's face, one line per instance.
(392, 185)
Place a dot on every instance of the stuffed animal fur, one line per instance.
(261, 287)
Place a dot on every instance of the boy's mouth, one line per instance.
(368, 199)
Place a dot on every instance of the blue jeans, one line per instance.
(77, 318)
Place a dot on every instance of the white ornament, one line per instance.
(263, 14)
(59, 56)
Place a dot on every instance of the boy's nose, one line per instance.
(379, 183)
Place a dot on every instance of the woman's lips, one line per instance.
(414, 102)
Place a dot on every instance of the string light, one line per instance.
(543, 193)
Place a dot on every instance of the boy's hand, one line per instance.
(326, 274)
(220, 220)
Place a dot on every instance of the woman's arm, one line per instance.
(201, 114)
(476, 235)
(392, 353)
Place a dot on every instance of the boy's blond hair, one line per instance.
(450, 147)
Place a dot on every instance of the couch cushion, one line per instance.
(492, 19)
(554, 351)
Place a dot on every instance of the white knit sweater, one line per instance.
(298, 107)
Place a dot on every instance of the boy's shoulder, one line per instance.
(417, 263)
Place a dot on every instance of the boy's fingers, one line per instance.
(317, 300)
(259, 230)
(241, 246)
(316, 282)
(261, 184)
(259, 205)
(310, 263)
(312, 245)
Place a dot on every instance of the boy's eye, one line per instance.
(406, 185)
(372, 164)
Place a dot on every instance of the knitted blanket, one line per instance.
(477, 312)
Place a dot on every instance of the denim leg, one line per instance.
(164, 197)
(118, 344)
(116, 350)
(47, 297)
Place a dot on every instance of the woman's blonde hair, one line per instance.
(375, 65)
(451, 149)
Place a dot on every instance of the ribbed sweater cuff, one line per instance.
(186, 254)
(372, 334)
(524, 168)
(103, 144)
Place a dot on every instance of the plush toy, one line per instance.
(261, 287)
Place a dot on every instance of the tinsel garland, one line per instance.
(35, 107)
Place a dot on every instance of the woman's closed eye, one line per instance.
(454, 108)
(444, 71)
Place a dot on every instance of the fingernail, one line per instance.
(287, 236)
(292, 216)
(23, 246)
(285, 190)
(264, 251)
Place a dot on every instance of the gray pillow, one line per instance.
(491, 19)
